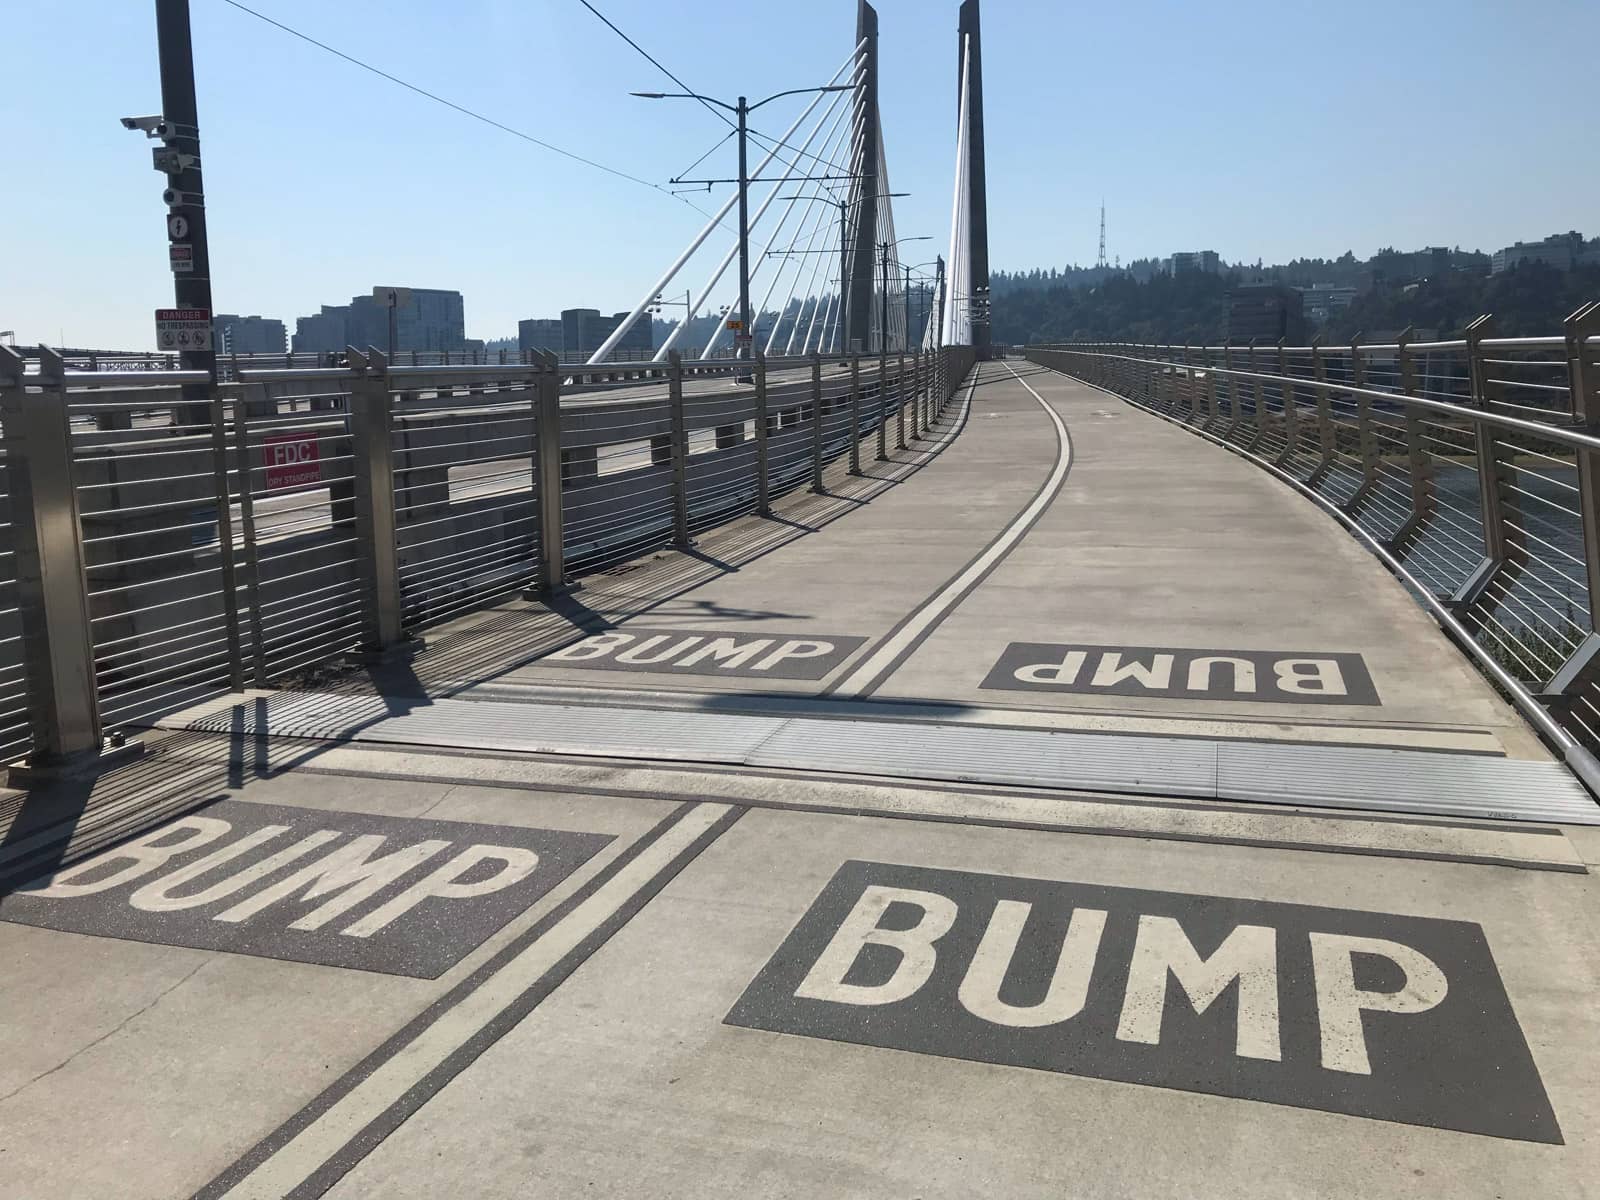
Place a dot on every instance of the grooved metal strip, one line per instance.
(1087, 761)
(1400, 781)
(521, 728)
(1405, 781)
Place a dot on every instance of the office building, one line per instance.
(584, 330)
(1208, 262)
(1322, 300)
(1265, 312)
(539, 334)
(233, 334)
(433, 319)
(1559, 251)
(323, 332)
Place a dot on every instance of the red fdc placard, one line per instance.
(292, 459)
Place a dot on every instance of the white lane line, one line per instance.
(923, 618)
(302, 1155)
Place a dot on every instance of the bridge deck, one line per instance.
(678, 926)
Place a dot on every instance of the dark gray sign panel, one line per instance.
(390, 894)
(1259, 676)
(1396, 1018)
(699, 652)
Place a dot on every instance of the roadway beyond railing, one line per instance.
(146, 562)
(1470, 467)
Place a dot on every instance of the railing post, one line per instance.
(1366, 439)
(1491, 497)
(1258, 414)
(1582, 669)
(252, 399)
(377, 549)
(548, 475)
(680, 449)
(1325, 430)
(1235, 414)
(883, 405)
(1291, 417)
(855, 414)
(1419, 461)
(52, 589)
(763, 484)
(900, 404)
(225, 561)
(917, 391)
(816, 423)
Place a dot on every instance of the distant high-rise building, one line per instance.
(1322, 300)
(1559, 251)
(1208, 262)
(1266, 312)
(433, 319)
(323, 332)
(233, 334)
(539, 334)
(585, 330)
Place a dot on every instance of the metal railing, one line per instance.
(1471, 467)
(324, 510)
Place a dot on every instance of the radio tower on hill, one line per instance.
(1101, 261)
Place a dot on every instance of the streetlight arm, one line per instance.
(683, 96)
(837, 87)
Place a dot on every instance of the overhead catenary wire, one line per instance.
(461, 108)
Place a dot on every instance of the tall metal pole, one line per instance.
(744, 338)
(883, 319)
(905, 337)
(186, 221)
(841, 320)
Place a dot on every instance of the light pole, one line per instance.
(743, 335)
(883, 251)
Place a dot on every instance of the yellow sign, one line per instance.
(735, 325)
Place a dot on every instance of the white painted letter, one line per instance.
(1065, 671)
(346, 869)
(144, 854)
(825, 981)
(633, 653)
(156, 896)
(1111, 671)
(1310, 677)
(598, 646)
(1340, 1003)
(1244, 674)
(519, 864)
(794, 648)
(1248, 954)
(1069, 985)
(727, 652)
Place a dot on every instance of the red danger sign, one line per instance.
(292, 460)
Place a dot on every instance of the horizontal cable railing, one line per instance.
(165, 536)
(1471, 467)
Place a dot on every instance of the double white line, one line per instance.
(875, 667)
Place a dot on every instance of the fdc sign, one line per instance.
(291, 459)
(1398, 1018)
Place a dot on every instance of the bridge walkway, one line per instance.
(886, 893)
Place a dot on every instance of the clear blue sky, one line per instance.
(1257, 129)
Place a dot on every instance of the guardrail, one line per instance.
(147, 560)
(1470, 467)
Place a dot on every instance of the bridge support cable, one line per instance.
(820, 258)
(755, 219)
(671, 273)
(829, 148)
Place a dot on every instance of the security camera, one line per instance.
(173, 198)
(154, 127)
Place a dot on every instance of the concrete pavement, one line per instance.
(274, 960)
